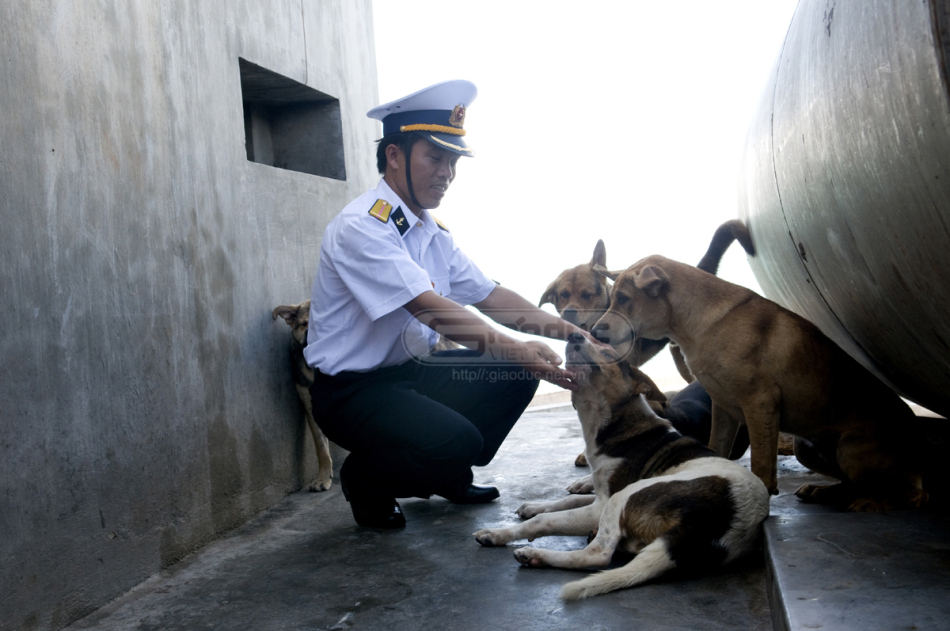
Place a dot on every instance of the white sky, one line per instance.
(621, 121)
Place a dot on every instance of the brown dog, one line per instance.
(771, 369)
(298, 317)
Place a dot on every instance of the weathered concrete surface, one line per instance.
(860, 572)
(830, 569)
(306, 565)
(145, 399)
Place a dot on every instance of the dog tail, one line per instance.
(733, 230)
(651, 562)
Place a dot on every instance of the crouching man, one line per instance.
(389, 280)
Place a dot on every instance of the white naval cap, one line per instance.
(436, 113)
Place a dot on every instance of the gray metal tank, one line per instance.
(845, 185)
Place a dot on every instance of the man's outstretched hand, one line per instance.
(543, 363)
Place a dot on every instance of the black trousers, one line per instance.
(417, 428)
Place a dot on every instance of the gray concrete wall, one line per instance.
(145, 398)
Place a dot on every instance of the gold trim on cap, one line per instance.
(442, 129)
(450, 145)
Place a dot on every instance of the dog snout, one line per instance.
(575, 338)
(570, 315)
(600, 332)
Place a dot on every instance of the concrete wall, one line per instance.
(145, 395)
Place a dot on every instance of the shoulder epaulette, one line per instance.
(381, 210)
(439, 223)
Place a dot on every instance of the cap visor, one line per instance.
(449, 142)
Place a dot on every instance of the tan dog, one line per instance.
(659, 494)
(771, 369)
(581, 296)
(298, 317)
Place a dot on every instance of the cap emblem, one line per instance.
(457, 119)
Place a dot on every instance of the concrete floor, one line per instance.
(304, 564)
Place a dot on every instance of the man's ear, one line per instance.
(603, 271)
(393, 154)
(549, 294)
(652, 280)
(600, 255)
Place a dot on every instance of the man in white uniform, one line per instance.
(389, 281)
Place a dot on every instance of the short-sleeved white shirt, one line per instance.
(370, 268)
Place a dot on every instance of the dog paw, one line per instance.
(488, 537)
(917, 498)
(581, 460)
(320, 485)
(870, 505)
(838, 494)
(529, 510)
(913, 499)
(808, 492)
(581, 486)
(529, 557)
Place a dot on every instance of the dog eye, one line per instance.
(565, 295)
(621, 299)
(585, 295)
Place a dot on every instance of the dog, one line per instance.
(770, 369)
(581, 296)
(298, 317)
(660, 495)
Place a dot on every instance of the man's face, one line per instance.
(433, 169)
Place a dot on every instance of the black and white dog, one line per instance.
(657, 494)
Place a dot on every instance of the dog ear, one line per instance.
(600, 255)
(652, 280)
(603, 271)
(287, 312)
(549, 294)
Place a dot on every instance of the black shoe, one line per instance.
(371, 510)
(470, 494)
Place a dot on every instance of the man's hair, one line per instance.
(402, 140)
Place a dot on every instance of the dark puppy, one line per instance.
(298, 317)
(659, 495)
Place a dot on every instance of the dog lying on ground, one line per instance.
(298, 317)
(659, 494)
(771, 369)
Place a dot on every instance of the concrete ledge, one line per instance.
(848, 571)
(550, 398)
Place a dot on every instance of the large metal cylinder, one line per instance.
(845, 185)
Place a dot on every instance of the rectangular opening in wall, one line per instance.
(289, 125)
